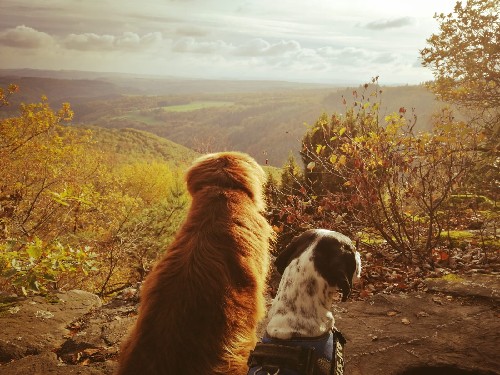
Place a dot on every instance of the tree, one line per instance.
(73, 214)
(6, 94)
(141, 210)
(43, 182)
(464, 56)
(397, 180)
(465, 59)
(291, 177)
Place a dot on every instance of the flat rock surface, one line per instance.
(452, 326)
(478, 285)
(388, 334)
(34, 325)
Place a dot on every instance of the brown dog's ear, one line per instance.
(296, 247)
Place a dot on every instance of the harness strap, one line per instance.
(339, 341)
(274, 356)
(270, 358)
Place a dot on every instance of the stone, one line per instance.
(452, 329)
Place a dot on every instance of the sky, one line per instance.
(328, 41)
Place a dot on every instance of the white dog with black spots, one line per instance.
(313, 266)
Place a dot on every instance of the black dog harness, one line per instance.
(323, 355)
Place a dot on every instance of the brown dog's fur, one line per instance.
(201, 303)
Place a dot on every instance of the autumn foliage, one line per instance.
(377, 179)
(384, 175)
(464, 56)
(72, 214)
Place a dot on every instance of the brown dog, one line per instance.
(201, 303)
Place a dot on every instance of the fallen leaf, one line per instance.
(422, 314)
(85, 362)
(364, 293)
(91, 351)
(437, 300)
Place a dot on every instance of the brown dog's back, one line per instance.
(201, 304)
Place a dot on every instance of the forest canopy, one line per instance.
(76, 214)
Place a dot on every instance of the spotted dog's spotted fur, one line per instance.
(313, 266)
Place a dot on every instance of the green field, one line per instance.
(193, 106)
(148, 118)
(137, 116)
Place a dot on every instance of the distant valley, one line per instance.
(266, 119)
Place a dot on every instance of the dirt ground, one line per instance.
(452, 328)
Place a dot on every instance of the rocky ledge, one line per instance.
(452, 328)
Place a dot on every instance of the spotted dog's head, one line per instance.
(333, 255)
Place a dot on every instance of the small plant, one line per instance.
(37, 266)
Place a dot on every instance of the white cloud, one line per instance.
(285, 55)
(126, 41)
(284, 48)
(253, 47)
(131, 40)
(346, 55)
(386, 58)
(191, 45)
(390, 23)
(88, 41)
(261, 47)
(25, 37)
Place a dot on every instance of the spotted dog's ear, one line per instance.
(347, 272)
(344, 267)
(344, 279)
(296, 247)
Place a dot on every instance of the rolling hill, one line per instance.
(265, 119)
(133, 144)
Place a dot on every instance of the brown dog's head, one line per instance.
(228, 170)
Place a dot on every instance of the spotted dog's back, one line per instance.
(313, 266)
